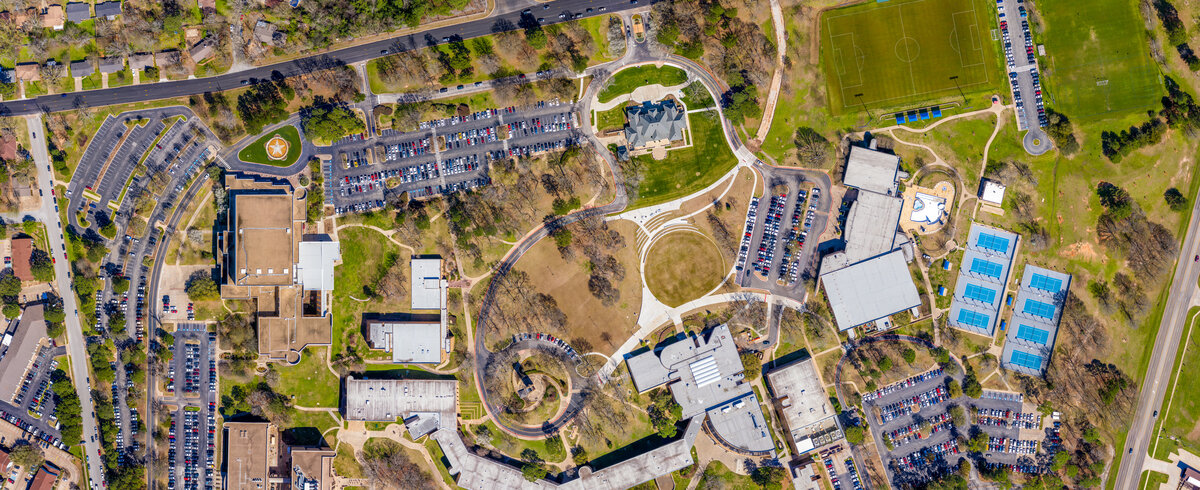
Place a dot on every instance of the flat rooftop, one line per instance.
(871, 229)
(740, 423)
(312, 469)
(872, 170)
(246, 455)
(264, 239)
(389, 399)
(803, 404)
(870, 290)
(409, 342)
(428, 287)
(15, 358)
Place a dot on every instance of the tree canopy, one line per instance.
(327, 122)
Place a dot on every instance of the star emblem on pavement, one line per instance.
(277, 148)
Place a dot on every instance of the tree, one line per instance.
(27, 456)
(326, 122)
(533, 472)
(812, 149)
(910, 356)
(120, 284)
(979, 441)
(971, 386)
(10, 286)
(11, 310)
(1175, 199)
(752, 364)
(41, 266)
(855, 435)
(885, 364)
(768, 476)
(201, 287)
(953, 387)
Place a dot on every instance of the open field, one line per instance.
(686, 170)
(626, 80)
(363, 252)
(310, 381)
(1098, 59)
(902, 53)
(256, 152)
(682, 266)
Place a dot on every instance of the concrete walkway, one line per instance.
(764, 126)
(644, 93)
(1173, 468)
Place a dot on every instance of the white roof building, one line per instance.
(992, 192)
(872, 170)
(315, 267)
(428, 287)
(870, 290)
(409, 342)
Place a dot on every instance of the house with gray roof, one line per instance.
(78, 12)
(654, 124)
(108, 10)
(82, 68)
(8, 75)
(112, 64)
(141, 61)
(203, 49)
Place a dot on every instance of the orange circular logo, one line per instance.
(277, 148)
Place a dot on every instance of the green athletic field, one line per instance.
(903, 53)
(1099, 62)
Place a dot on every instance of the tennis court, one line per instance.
(906, 52)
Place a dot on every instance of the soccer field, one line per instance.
(902, 53)
(1099, 59)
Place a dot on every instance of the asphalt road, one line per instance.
(76, 345)
(1162, 361)
(502, 21)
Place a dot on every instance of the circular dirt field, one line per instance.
(683, 265)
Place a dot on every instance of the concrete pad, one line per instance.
(174, 284)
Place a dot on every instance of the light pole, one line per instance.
(960, 92)
(864, 104)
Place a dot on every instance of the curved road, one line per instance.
(505, 21)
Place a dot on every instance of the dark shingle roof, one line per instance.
(112, 64)
(108, 9)
(78, 12)
(82, 68)
(654, 121)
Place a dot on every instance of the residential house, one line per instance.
(28, 72)
(82, 68)
(268, 33)
(8, 147)
(52, 17)
(141, 61)
(203, 49)
(78, 12)
(108, 10)
(112, 64)
(8, 75)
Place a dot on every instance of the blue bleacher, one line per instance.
(937, 111)
(924, 114)
(899, 118)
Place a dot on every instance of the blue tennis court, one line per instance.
(1038, 308)
(1026, 360)
(979, 293)
(986, 267)
(992, 242)
(974, 318)
(1045, 283)
(1032, 334)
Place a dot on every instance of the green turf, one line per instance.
(310, 380)
(1098, 61)
(256, 152)
(626, 80)
(904, 52)
(686, 170)
(611, 119)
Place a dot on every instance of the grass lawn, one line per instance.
(363, 250)
(682, 266)
(904, 52)
(256, 152)
(1152, 479)
(597, 27)
(92, 82)
(1098, 59)
(310, 381)
(626, 80)
(345, 464)
(686, 170)
(960, 142)
(121, 78)
(1180, 413)
(702, 98)
(611, 119)
(723, 477)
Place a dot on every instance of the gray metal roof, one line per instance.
(387, 399)
(22, 346)
(78, 12)
(1030, 330)
(872, 170)
(315, 267)
(870, 230)
(740, 423)
(870, 290)
(654, 121)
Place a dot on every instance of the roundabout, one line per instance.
(278, 148)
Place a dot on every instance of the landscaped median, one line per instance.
(625, 81)
(278, 148)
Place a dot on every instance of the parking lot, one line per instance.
(32, 408)
(1021, 63)
(192, 389)
(839, 464)
(443, 155)
(913, 415)
(781, 233)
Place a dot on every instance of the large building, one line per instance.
(867, 280)
(654, 124)
(268, 259)
(803, 404)
(312, 468)
(250, 451)
(423, 404)
(706, 377)
(416, 338)
(21, 343)
(982, 279)
(1033, 327)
